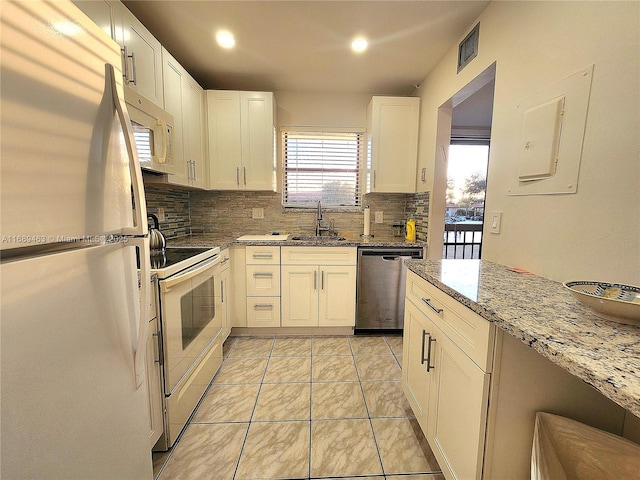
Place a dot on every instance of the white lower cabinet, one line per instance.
(475, 389)
(318, 286)
(238, 287)
(447, 390)
(225, 292)
(263, 311)
(263, 286)
(415, 378)
(457, 408)
(337, 296)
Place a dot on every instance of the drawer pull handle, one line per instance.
(429, 366)
(428, 302)
(263, 255)
(263, 306)
(262, 274)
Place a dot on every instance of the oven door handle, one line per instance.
(169, 283)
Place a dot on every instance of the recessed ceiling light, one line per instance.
(359, 44)
(225, 39)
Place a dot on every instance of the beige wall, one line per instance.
(322, 109)
(595, 233)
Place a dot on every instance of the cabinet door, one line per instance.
(104, 14)
(143, 59)
(194, 131)
(258, 154)
(238, 287)
(299, 296)
(223, 117)
(173, 75)
(457, 410)
(337, 296)
(415, 378)
(154, 388)
(393, 129)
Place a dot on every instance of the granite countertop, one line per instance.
(543, 314)
(224, 241)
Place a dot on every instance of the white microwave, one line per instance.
(152, 131)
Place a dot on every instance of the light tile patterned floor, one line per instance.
(303, 408)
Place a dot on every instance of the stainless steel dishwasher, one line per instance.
(380, 286)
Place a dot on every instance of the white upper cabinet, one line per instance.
(142, 58)
(106, 14)
(392, 135)
(141, 52)
(173, 83)
(184, 99)
(241, 140)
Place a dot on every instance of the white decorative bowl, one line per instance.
(613, 301)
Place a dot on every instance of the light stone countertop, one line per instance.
(543, 314)
(224, 241)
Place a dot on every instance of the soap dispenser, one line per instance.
(411, 230)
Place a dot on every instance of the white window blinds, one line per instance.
(322, 165)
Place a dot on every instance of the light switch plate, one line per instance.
(161, 214)
(257, 213)
(379, 217)
(496, 220)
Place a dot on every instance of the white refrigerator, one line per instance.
(73, 319)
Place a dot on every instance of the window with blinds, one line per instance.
(322, 165)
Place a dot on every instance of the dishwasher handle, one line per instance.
(391, 253)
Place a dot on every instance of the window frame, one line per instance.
(360, 171)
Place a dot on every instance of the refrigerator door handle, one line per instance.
(140, 227)
(139, 355)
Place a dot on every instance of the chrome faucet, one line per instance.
(318, 219)
(319, 227)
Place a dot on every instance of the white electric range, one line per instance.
(189, 300)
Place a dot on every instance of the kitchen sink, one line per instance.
(317, 238)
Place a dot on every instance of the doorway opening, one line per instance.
(463, 140)
(466, 186)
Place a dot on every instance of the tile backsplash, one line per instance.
(229, 213)
(175, 202)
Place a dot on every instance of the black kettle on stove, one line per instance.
(157, 241)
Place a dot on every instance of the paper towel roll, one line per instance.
(367, 220)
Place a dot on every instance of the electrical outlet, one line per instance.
(160, 214)
(378, 217)
(257, 213)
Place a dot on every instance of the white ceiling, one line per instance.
(304, 46)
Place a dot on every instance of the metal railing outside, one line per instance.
(462, 240)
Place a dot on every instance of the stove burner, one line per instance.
(172, 255)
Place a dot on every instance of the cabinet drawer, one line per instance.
(262, 255)
(318, 255)
(263, 280)
(263, 311)
(471, 333)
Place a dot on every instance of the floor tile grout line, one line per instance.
(366, 406)
(253, 411)
(311, 355)
(195, 411)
